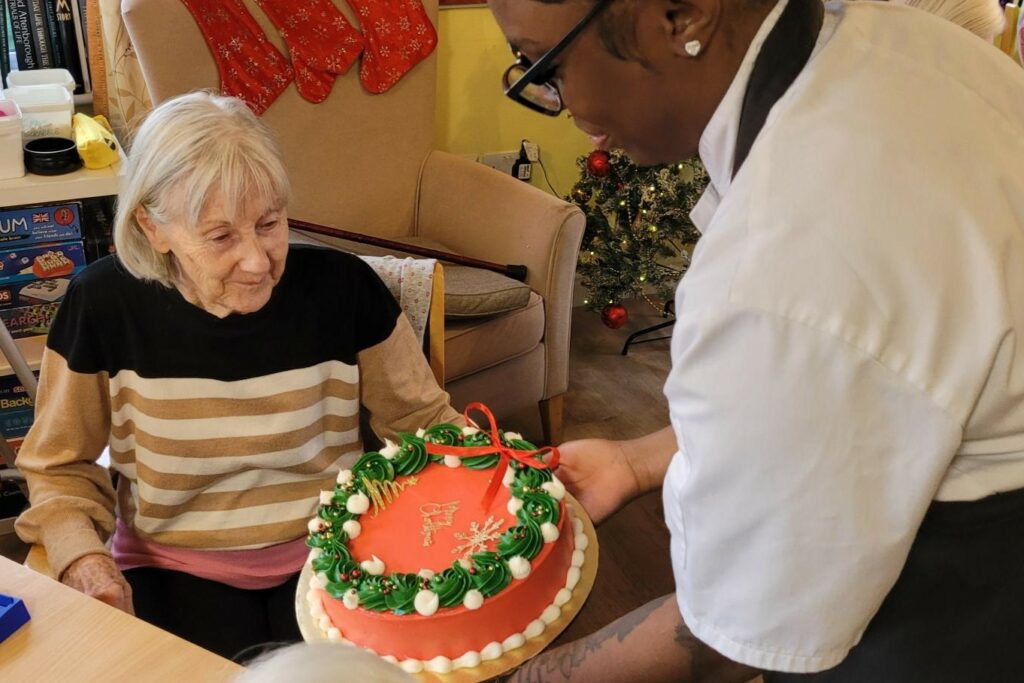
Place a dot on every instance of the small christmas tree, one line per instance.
(639, 235)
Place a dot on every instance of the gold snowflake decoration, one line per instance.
(476, 540)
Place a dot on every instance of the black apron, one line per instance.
(956, 613)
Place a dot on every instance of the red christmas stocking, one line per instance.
(398, 36)
(250, 67)
(318, 37)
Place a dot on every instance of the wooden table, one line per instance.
(72, 637)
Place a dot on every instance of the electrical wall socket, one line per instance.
(501, 161)
(532, 151)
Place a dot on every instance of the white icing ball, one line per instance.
(352, 528)
(421, 432)
(345, 476)
(314, 553)
(474, 599)
(312, 597)
(577, 525)
(508, 478)
(374, 567)
(390, 449)
(582, 542)
(334, 635)
(513, 641)
(534, 628)
(316, 525)
(519, 566)
(550, 614)
(325, 623)
(326, 497)
(316, 609)
(572, 577)
(549, 531)
(577, 558)
(358, 504)
(491, 651)
(514, 505)
(426, 602)
(439, 665)
(554, 488)
(513, 436)
(427, 574)
(453, 461)
(563, 596)
(468, 660)
(470, 431)
(350, 598)
(464, 563)
(320, 580)
(411, 666)
(390, 659)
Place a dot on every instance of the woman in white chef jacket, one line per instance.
(844, 471)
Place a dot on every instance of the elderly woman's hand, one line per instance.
(98, 577)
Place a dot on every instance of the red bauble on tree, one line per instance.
(599, 163)
(614, 316)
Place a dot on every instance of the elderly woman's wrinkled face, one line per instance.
(227, 264)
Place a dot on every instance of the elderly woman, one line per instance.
(843, 475)
(226, 371)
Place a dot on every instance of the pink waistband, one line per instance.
(248, 569)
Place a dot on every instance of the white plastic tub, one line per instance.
(61, 77)
(12, 161)
(46, 110)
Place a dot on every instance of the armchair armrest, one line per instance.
(478, 212)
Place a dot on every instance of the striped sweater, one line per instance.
(223, 430)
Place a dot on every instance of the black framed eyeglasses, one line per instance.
(532, 84)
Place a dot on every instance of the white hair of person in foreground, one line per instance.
(981, 17)
(322, 663)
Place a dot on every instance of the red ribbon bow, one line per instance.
(497, 447)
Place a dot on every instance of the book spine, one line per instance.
(23, 43)
(68, 41)
(40, 35)
(5, 57)
(50, 10)
(78, 14)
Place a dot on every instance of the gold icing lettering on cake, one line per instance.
(436, 516)
(383, 493)
(477, 538)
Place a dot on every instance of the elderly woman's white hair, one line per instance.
(981, 17)
(189, 149)
(322, 663)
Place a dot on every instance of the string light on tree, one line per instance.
(639, 235)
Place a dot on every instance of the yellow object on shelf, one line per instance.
(95, 140)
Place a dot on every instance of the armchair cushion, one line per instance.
(474, 344)
(474, 292)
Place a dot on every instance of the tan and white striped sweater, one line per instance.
(223, 430)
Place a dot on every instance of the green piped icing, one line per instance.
(530, 481)
(412, 455)
(525, 540)
(445, 434)
(451, 585)
(539, 508)
(401, 593)
(491, 575)
(371, 593)
(373, 466)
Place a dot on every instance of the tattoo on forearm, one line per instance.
(567, 659)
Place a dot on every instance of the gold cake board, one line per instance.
(588, 572)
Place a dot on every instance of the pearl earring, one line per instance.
(692, 48)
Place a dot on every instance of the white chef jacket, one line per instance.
(850, 342)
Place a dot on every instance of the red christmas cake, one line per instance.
(444, 551)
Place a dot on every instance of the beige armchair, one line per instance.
(365, 163)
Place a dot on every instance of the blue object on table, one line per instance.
(13, 615)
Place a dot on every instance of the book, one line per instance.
(40, 34)
(50, 13)
(78, 12)
(5, 57)
(67, 39)
(22, 33)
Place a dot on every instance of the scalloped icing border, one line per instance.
(492, 650)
